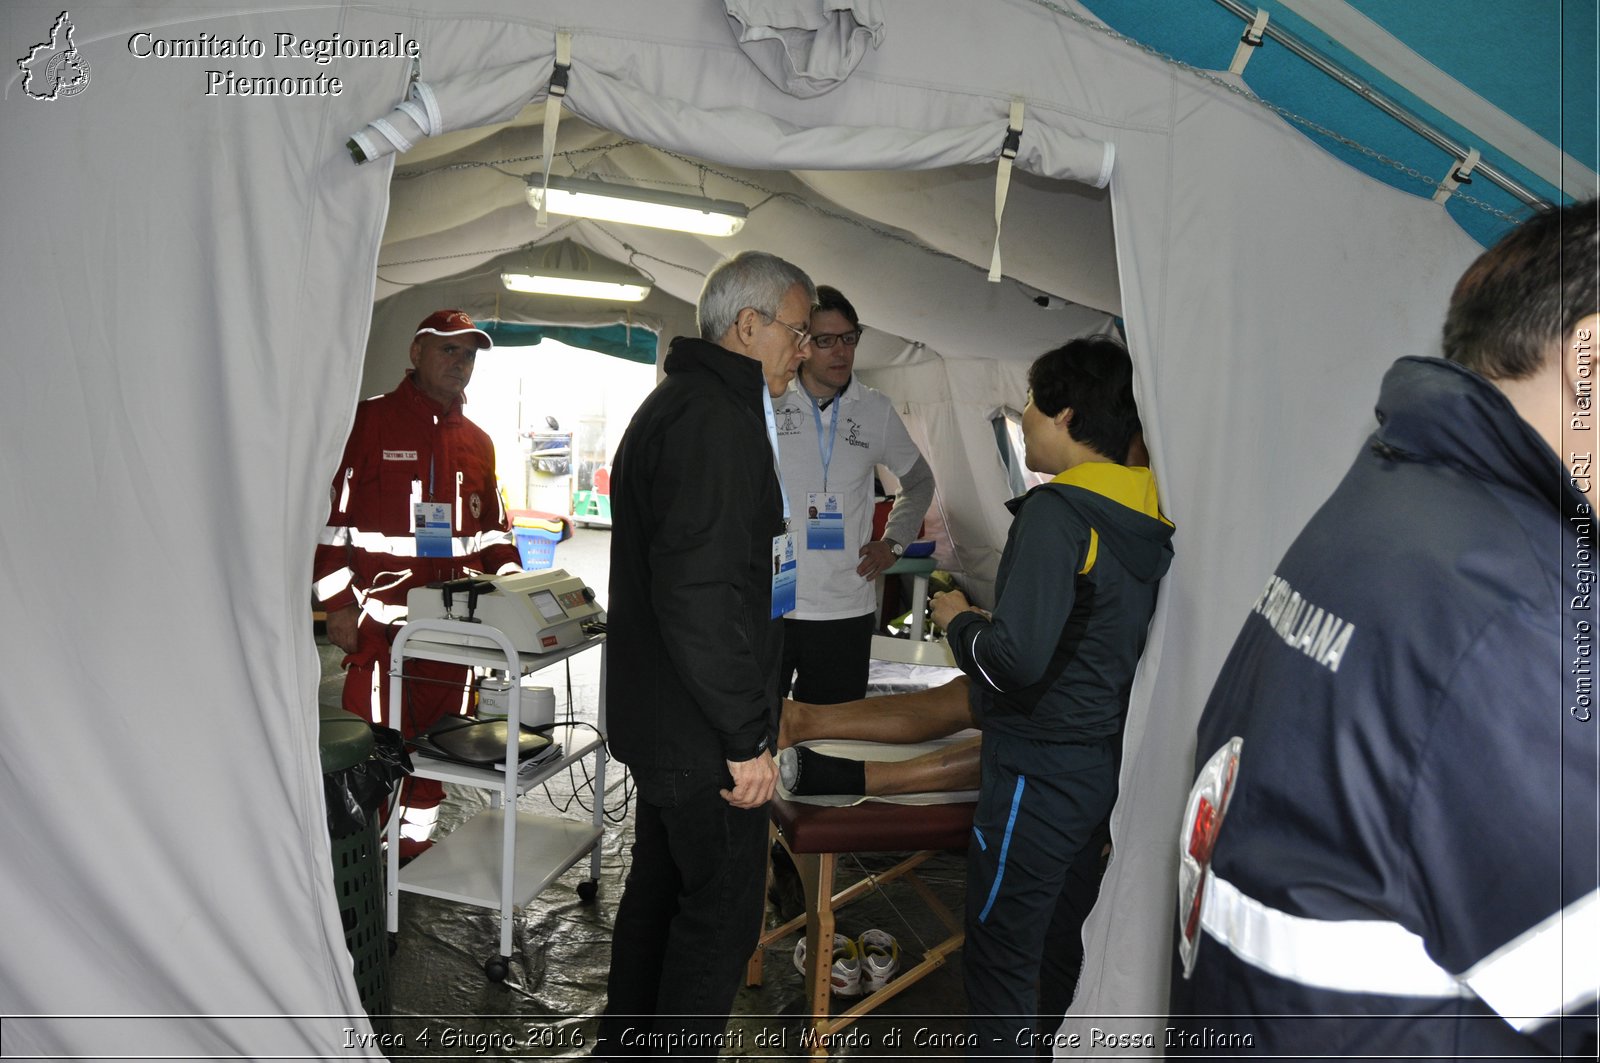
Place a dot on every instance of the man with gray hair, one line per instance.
(702, 566)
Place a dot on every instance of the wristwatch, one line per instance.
(895, 548)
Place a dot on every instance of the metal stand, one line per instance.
(500, 858)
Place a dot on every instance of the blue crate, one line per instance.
(537, 547)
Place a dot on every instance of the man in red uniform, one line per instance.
(415, 500)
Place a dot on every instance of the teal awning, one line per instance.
(635, 344)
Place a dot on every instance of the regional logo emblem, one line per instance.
(55, 69)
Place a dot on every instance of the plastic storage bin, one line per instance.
(346, 745)
(537, 547)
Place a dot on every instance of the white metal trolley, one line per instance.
(500, 858)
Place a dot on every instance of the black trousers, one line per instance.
(1039, 807)
(688, 920)
(831, 657)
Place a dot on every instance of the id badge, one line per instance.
(785, 574)
(824, 521)
(433, 529)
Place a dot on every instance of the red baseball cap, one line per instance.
(453, 323)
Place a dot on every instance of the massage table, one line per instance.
(816, 835)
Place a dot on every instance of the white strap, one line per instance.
(552, 118)
(1346, 955)
(418, 115)
(392, 135)
(1252, 39)
(1002, 181)
(423, 93)
(1550, 970)
(1457, 177)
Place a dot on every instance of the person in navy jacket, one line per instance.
(1390, 848)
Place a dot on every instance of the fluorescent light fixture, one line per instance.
(548, 283)
(584, 198)
(565, 268)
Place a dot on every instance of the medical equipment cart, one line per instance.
(502, 857)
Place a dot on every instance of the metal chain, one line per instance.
(816, 208)
(536, 159)
(480, 251)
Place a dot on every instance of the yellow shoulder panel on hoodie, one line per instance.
(1132, 487)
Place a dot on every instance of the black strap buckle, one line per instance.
(1013, 139)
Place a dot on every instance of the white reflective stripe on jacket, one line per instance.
(1549, 969)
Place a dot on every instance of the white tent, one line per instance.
(188, 283)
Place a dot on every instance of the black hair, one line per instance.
(1094, 376)
(1522, 298)
(830, 298)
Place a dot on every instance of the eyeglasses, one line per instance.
(801, 335)
(827, 339)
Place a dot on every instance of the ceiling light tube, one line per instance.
(557, 282)
(584, 198)
(568, 268)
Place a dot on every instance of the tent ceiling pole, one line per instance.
(1384, 103)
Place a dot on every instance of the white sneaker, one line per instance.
(845, 978)
(880, 959)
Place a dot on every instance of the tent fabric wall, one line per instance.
(180, 280)
(192, 290)
(1266, 311)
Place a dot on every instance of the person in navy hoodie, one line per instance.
(1049, 672)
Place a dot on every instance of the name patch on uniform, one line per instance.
(1312, 630)
(399, 455)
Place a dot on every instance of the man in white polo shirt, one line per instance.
(833, 431)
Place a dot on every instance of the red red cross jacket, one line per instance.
(406, 448)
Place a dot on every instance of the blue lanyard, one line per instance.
(824, 452)
(772, 438)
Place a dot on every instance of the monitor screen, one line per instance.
(547, 605)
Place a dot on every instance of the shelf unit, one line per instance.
(501, 858)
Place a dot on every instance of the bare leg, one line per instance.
(918, 716)
(956, 767)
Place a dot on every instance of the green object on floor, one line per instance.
(591, 504)
(345, 741)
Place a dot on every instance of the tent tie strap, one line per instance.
(1460, 175)
(421, 105)
(1254, 37)
(559, 76)
(392, 135)
(1002, 180)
